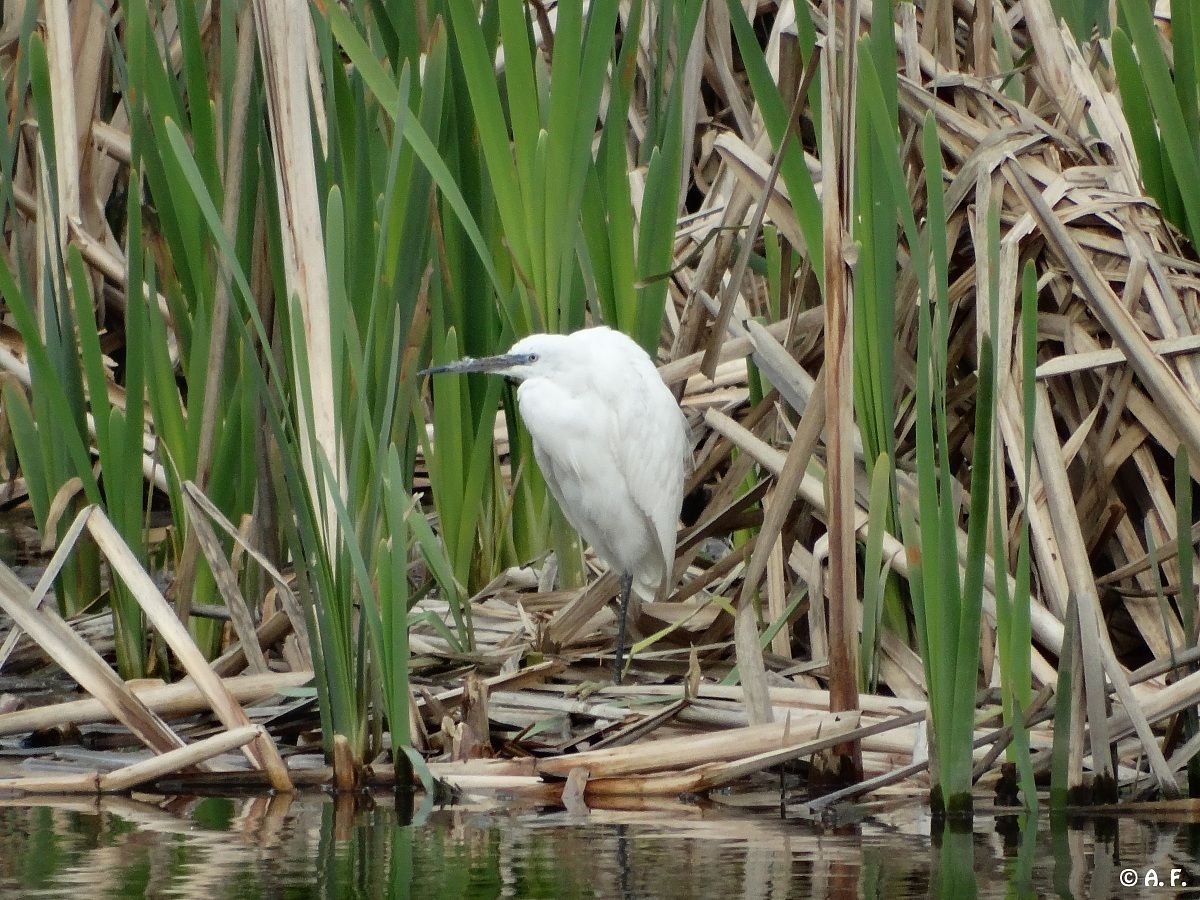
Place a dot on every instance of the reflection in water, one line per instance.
(954, 865)
(309, 846)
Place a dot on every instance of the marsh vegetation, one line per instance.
(922, 275)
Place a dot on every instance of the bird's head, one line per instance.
(535, 355)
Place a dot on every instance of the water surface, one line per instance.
(308, 846)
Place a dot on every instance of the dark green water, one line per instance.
(308, 847)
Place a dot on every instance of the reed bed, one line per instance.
(923, 276)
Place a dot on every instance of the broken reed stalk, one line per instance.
(180, 698)
(838, 91)
(182, 759)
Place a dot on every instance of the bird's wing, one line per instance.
(572, 439)
(653, 452)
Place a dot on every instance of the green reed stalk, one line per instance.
(948, 611)
(1013, 628)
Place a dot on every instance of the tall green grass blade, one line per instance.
(1181, 150)
(47, 383)
(774, 111)
(660, 199)
(120, 454)
(967, 650)
(196, 74)
(383, 85)
(395, 601)
(931, 617)
(33, 463)
(491, 126)
(1157, 175)
(1060, 750)
(1185, 37)
(579, 81)
(1082, 16)
(875, 282)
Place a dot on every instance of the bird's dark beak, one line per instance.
(487, 364)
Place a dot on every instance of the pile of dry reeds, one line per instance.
(1117, 386)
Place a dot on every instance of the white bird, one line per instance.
(612, 445)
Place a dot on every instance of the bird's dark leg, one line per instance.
(626, 587)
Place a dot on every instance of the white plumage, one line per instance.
(611, 442)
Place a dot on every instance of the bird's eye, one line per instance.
(533, 357)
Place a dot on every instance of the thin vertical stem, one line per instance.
(837, 141)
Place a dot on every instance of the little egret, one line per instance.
(611, 442)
